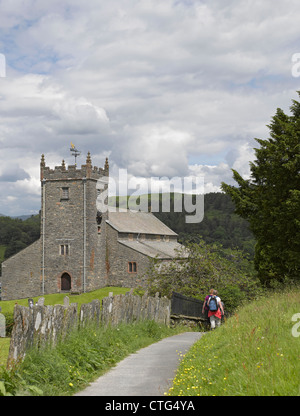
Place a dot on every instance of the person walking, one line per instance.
(215, 310)
(205, 306)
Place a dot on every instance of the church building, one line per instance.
(80, 248)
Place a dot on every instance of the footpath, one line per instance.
(148, 372)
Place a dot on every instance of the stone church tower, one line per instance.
(70, 253)
(71, 246)
(81, 248)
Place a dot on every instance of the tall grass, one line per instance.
(83, 356)
(255, 353)
(4, 348)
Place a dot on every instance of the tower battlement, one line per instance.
(72, 171)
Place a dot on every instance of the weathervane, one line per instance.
(74, 152)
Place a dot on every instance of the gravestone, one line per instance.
(41, 301)
(66, 301)
(2, 326)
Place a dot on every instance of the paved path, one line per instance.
(148, 372)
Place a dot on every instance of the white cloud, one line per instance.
(164, 88)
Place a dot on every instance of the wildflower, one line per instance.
(71, 384)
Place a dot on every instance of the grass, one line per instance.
(80, 359)
(255, 353)
(4, 347)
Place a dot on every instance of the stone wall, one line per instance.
(128, 308)
(40, 325)
(21, 273)
(69, 211)
(118, 256)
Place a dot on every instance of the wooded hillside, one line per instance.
(16, 234)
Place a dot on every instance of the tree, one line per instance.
(270, 199)
(207, 266)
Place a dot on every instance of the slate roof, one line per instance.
(155, 249)
(136, 222)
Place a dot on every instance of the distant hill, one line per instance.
(20, 217)
(16, 234)
(219, 225)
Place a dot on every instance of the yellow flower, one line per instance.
(71, 384)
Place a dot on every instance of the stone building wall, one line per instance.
(118, 257)
(71, 237)
(21, 273)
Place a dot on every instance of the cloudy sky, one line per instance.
(162, 88)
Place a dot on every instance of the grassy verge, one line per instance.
(4, 347)
(255, 353)
(84, 356)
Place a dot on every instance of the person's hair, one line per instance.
(211, 291)
(215, 292)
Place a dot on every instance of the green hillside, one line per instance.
(219, 225)
(16, 234)
(255, 353)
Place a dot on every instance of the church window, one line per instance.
(64, 193)
(64, 250)
(132, 267)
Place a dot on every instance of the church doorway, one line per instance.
(65, 281)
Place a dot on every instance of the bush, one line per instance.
(232, 297)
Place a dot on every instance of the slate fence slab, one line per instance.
(40, 325)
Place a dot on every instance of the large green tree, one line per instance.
(270, 199)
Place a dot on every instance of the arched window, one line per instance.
(65, 281)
